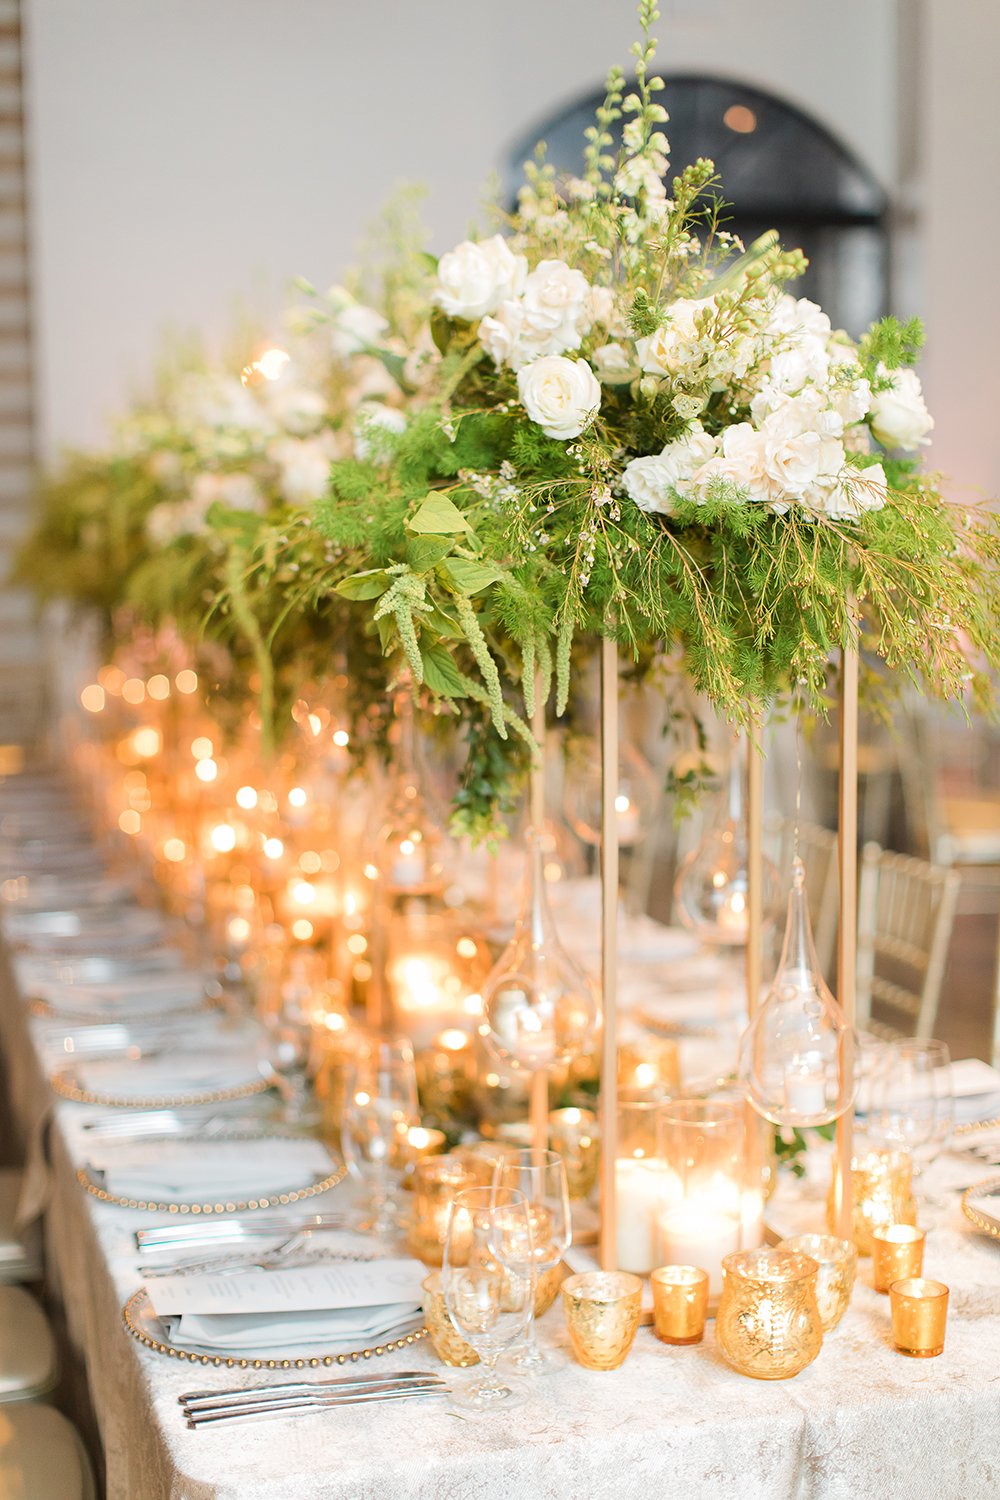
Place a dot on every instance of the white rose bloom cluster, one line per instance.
(900, 418)
(477, 276)
(554, 310)
(654, 481)
(561, 395)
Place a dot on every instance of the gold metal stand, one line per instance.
(539, 1098)
(608, 1104)
(755, 870)
(847, 936)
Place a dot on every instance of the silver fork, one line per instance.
(223, 1231)
(203, 1409)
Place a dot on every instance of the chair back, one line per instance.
(906, 911)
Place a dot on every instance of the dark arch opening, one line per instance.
(780, 169)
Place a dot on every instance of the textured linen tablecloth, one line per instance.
(673, 1422)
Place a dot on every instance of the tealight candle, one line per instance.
(919, 1313)
(639, 1185)
(897, 1252)
(805, 1085)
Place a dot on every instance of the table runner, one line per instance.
(862, 1420)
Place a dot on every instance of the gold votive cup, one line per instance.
(547, 1285)
(897, 1253)
(449, 1346)
(680, 1303)
(436, 1180)
(919, 1313)
(421, 1143)
(652, 1065)
(838, 1265)
(602, 1311)
(768, 1324)
(882, 1194)
(573, 1133)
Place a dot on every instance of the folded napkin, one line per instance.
(156, 993)
(208, 1169)
(335, 1331)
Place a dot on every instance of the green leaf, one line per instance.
(394, 364)
(438, 516)
(429, 261)
(442, 625)
(470, 577)
(441, 674)
(368, 585)
(387, 633)
(424, 551)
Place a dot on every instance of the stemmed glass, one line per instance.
(379, 1110)
(541, 1177)
(488, 1300)
(917, 1104)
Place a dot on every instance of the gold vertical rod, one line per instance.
(847, 934)
(539, 1097)
(608, 1105)
(755, 870)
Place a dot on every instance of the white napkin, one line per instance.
(156, 993)
(178, 1073)
(334, 1331)
(208, 1170)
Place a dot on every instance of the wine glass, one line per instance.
(488, 1300)
(379, 1109)
(541, 1177)
(917, 1106)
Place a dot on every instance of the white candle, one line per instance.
(805, 1086)
(695, 1235)
(638, 1195)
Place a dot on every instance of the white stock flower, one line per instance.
(614, 364)
(475, 277)
(650, 480)
(900, 418)
(561, 395)
(852, 402)
(373, 421)
(675, 344)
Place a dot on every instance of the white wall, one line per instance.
(190, 156)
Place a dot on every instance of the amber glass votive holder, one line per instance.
(882, 1193)
(680, 1303)
(897, 1252)
(602, 1314)
(436, 1180)
(449, 1346)
(573, 1133)
(919, 1313)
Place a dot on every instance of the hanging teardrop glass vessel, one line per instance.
(797, 1056)
(711, 893)
(411, 854)
(539, 1008)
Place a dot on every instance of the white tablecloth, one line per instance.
(673, 1422)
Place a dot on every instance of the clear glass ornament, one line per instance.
(797, 1056)
(538, 1007)
(636, 796)
(712, 890)
(411, 854)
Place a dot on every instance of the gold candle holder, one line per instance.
(421, 1143)
(680, 1303)
(602, 1311)
(838, 1265)
(881, 1194)
(768, 1324)
(436, 1181)
(897, 1253)
(547, 1285)
(449, 1346)
(573, 1133)
(919, 1313)
(650, 1066)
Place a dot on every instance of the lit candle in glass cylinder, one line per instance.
(434, 975)
(707, 1210)
(445, 1074)
(639, 1184)
(650, 1065)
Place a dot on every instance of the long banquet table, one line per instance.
(862, 1420)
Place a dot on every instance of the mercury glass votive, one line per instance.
(573, 1133)
(436, 1180)
(449, 1346)
(680, 1303)
(602, 1311)
(882, 1194)
(768, 1324)
(838, 1264)
(919, 1313)
(897, 1252)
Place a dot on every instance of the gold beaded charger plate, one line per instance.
(142, 1323)
(974, 1206)
(66, 1081)
(226, 1203)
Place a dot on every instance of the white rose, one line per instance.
(852, 402)
(371, 421)
(740, 462)
(600, 306)
(900, 418)
(555, 308)
(649, 481)
(797, 316)
(475, 277)
(499, 335)
(614, 365)
(783, 416)
(561, 395)
(792, 463)
(674, 344)
(854, 492)
(355, 326)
